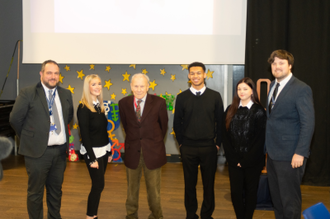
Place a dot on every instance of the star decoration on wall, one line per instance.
(71, 88)
(132, 65)
(126, 76)
(209, 74)
(107, 68)
(173, 111)
(144, 71)
(123, 91)
(184, 67)
(162, 71)
(61, 78)
(172, 133)
(189, 82)
(75, 126)
(81, 74)
(172, 77)
(179, 92)
(67, 68)
(113, 96)
(91, 67)
(152, 85)
(167, 93)
(108, 84)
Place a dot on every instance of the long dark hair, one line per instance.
(234, 105)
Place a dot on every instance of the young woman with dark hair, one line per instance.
(244, 137)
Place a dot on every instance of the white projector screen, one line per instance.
(134, 31)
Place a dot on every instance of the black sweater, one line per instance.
(93, 129)
(198, 119)
(244, 140)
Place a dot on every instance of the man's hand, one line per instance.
(95, 165)
(218, 147)
(297, 161)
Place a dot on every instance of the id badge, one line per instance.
(53, 127)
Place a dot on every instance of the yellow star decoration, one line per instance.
(107, 68)
(172, 77)
(184, 67)
(152, 85)
(123, 91)
(75, 126)
(189, 81)
(61, 78)
(162, 71)
(80, 74)
(67, 68)
(91, 67)
(132, 65)
(179, 92)
(173, 111)
(71, 89)
(173, 133)
(113, 96)
(167, 93)
(144, 71)
(126, 76)
(108, 84)
(209, 74)
(161, 95)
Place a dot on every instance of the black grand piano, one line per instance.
(5, 108)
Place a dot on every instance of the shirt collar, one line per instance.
(46, 89)
(249, 105)
(193, 90)
(96, 102)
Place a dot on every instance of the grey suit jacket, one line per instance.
(290, 125)
(30, 118)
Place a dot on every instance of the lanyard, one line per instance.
(50, 102)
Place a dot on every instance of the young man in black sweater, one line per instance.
(197, 126)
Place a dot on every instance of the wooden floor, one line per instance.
(76, 187)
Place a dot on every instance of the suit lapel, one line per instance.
(63, 99)
(42, 97)
(147, 107)
(284, 91)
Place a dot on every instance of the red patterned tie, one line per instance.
(138, 110)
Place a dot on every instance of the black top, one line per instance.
(198, 119)
(244, 140)
(93, 129)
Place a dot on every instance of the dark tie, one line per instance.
(55, 114)
(271, 103)
(198, 93)
(138, 110)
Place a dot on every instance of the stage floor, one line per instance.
(76, 187)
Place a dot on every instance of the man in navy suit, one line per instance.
(289, 131)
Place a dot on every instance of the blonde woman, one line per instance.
(95, 142)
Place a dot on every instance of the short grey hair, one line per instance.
(140, 74)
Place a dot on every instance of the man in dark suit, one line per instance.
(40, 117)
(144, 118)
(289, 131)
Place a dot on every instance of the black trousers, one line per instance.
(206, 158)
(97, 177)
(284, 185)
(244, 188)
(47, 170)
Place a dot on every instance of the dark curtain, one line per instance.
(302, 28)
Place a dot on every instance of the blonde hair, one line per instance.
(86, 99)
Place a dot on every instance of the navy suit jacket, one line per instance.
(290, 125)
(31, 122)
(147, 135)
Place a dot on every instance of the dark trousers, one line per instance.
(47, 170)
(284, 185)
(192, 157)
(97, 177)
(247, 180)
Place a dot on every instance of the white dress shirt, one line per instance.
(54, 138)
(194, 91)
(280, 88)
(141, 104)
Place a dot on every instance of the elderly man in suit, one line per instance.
(40, 117)
(289, 131)
(144, 118)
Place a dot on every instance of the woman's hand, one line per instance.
(239, 165)
(95, 165)
(110, 159)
